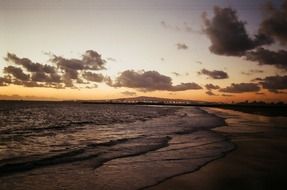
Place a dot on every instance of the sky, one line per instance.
(207, 50)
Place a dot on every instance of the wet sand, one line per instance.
(259, 162)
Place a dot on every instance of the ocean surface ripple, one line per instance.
(96, 146)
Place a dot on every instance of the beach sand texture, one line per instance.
(257, 163)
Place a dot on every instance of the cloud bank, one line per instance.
(149, 81)
(274, 83)
(241, 88)
(268, 57)
(59, 73)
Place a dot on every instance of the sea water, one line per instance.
(70, 145)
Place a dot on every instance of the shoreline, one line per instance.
(257, 162)
(177, 155)
(253, 151)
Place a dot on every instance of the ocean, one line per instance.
(70, 145)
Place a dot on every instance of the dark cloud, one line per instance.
(228, 35)
(38, 79)
(91, 60)
(185, 86)
(48, 78)
(65, 64)
(241, 88)
(275, 22)
(256, 79)
(17, 73)
(149, 81)
(181, 46)
(4, 81)
(129, 93)
(199, 62)
(93, 77)
(268, 57)
(215, 74)
(42, 73)
(211, 87)
(29, 65)
(60, 74)
(274, 83)
(210, 93)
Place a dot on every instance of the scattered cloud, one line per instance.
(215, 74)
(91, 60)
(129, 93)
(181, 46)
(111, 59)
(210, 93)
(185, 86)
(59, 73)
(241, 88)
(228, 35)
(29, 65)
(176, 74)
(268, 57)
(275, 22)
(185, 27)
(274, 83)
(149, 81)
(199, 62)
(252, 71)
(168, 26)
(211, 87)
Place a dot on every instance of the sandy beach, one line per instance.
(257, 163)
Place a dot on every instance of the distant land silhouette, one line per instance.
(255, 107)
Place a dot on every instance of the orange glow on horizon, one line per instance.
(24, 93)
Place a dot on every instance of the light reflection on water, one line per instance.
(245, 122)
(108, 146)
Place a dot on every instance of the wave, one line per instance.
(127, 155)
(101, 152)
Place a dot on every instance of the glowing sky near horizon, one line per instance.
(133, 35)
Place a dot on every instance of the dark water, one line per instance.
(93, 146)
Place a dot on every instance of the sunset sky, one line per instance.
(210, 50)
